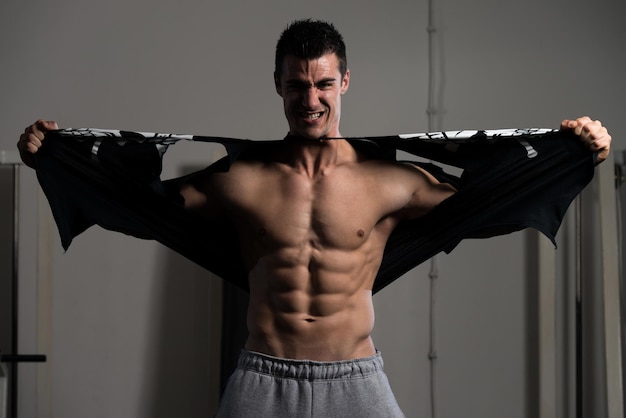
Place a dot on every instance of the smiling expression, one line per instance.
(311, 92)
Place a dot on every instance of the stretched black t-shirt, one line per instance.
(511, 179)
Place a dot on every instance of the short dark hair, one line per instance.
(310, 39)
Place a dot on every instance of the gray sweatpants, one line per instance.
(265, 386)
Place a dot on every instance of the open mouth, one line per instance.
(313, 116)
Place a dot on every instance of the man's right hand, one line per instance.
(30, 140)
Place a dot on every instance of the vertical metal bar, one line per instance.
(547, 328)
(611, 289)
(579, 309)
(620, 173)
(15, 288)
(431, 111)
(45, 274)
(432, 352)
(3, 390)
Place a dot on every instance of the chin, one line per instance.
(313, 136)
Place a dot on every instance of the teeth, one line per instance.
(314, 116)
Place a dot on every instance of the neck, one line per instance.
(315, 155)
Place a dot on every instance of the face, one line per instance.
(311, 92)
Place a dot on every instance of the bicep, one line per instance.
(193, 198)
(199, 197)
(427, 192)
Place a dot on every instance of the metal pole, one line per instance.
(611, 289)
(15, 288)
(579, 309)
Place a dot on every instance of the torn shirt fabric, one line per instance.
(511, 179)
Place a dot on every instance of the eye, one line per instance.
(292, 88)
(325, 85)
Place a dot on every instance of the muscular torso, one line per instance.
(312, 239)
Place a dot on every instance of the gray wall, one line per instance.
(129, 326)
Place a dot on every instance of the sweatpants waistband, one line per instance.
(309, 369)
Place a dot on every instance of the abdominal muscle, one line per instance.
(321, 310)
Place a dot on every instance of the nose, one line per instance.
(310, 98)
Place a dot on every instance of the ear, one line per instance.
(277, 85)
(345, 82)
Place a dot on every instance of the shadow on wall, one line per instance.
(183, 366)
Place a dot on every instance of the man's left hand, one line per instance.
(592, 134)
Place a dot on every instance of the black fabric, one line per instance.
(510, 180)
